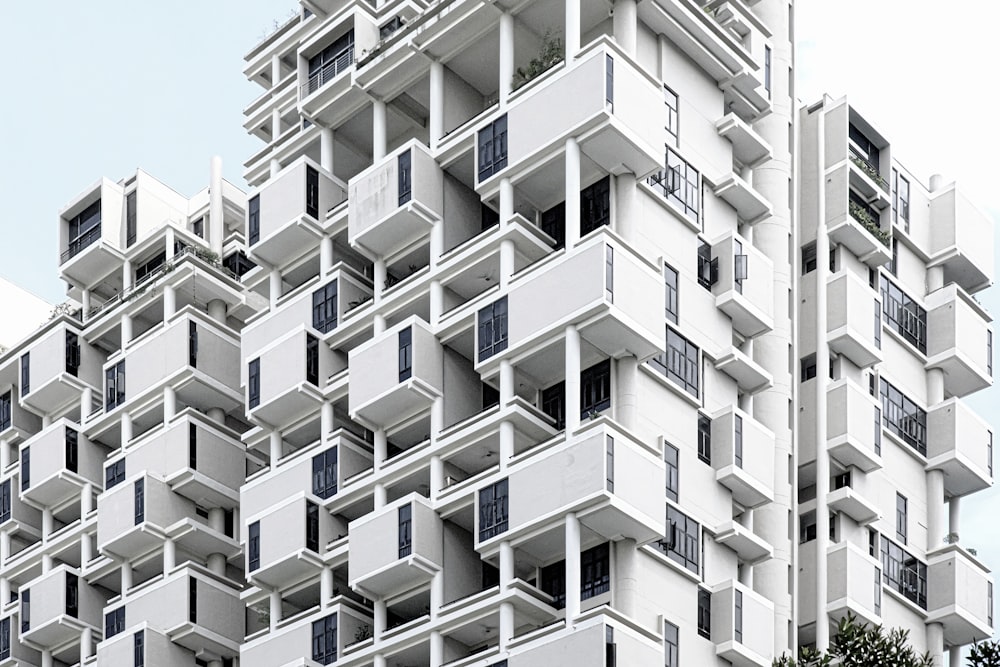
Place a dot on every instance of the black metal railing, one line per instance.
(329, 71)
(79, 243)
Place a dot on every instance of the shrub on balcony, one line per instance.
(869, 222)
(550, 54)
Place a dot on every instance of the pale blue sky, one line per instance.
(99, 88)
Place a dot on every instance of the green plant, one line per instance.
(363, 632)
(869, 222)
(985, 654)
(550, 54)
(861, 645)
(871, 172)
(206, 254)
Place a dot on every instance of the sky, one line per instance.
(102, 87)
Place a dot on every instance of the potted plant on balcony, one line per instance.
(549, 55)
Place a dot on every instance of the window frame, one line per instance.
(493, 509)
(324, 307)
(492, 326)
(253, 383)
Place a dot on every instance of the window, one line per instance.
(491, 396)
(25, 468)
(670, 280)
(253, 220)
(894, 262)
(989, 603)
(738, 440)
(493, 148)
(679, 183)
(114, 384)
(405, 534)
(192, 345)
(704, 613)
(989, 453)
(895, 194)
(767, 70)
(609, 273)
(405, 354)
(877, 334)
(554, 582)
(71, 450)
(738, 615)
(671, 457)
(238, 263)
(680, 363)
(312, 360)
(903, 417)
(324, 304)
(5, 639)
(253, 546)
(610, 649)
(878, 431)
(670, 101)
(595, 389)
(904, 573)
(72, 595)
(740, 267)
(595, 206)
(808, 258)
(130, 218)
(989, 353)
(147, 268)
(198, 227)
(140, 501)
(610, 464)
(5, 411)
(25, 373)
(609, 81)
(72, 353)
(493, 510)
(139, 648)
(324, 473)
(903, 195)
(26, 611)
(807, 368)
(312, 527)
(114, 622)
(386, 29)
(324, 640)
(682, 542)
(253, 383)
(404, 177)
(901, 518)
(5, 501)
(904, 315)
(554, 224)
(595, 571)
(114, 474)
(312, 192)
(878, 592)
(862, 148)
(705, 439)
(554, 403)
(192, 446)
(708, 268)
(330, 62)
(493, 329)
(671, 645)
(84, 229)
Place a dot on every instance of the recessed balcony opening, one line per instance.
(146, 318)
(406, 266)
(300, 600)
(408, 609)
(303, 434)
(407, 436)
(469, 88)
(301, 273)
(417, 655)
(479, 636)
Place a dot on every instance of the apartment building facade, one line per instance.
(517, 351)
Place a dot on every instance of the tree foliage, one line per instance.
(862, 645)
(985, 654)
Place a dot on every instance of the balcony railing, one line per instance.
(904, 573)
(870, 170)
(869, 220)
(329, 71)
(79, 243)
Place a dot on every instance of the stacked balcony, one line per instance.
(961, 240)
(749, 148)
(959, 596)
(853, 496)
(744, 289)
(156, 649)
(960, 443)
(61, 461)
(58, 606)
(291, 372)
(339, 623)
(961, 340)
(742, 625)
(854, 584)
(60, 368)
(286, 542)
(742, 457)
(853, 426)
(90, 239)
(327, 92)
(854, 323)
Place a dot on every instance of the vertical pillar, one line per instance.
(436, 242)
(437, 593)
(506, 631)
(326, 148)
(506, 200)
(169, 244)
(626, 583)
(506, 262)
(169, 555)
(218, 415)
(625, 25)
(380, 448)
(506, 59)
(169, 302)
(624, 220)
(274, 599)
(628, 370)
(572, 379)
(506, 443)
(506, 382)
(4, 588)
(506, 565)
(378, 323)
(276, 122)
(47, 658)
(169, 403)
(274, 440)
(274, 286)
(217, 310)
(379, 273)
(85, 304)
(275, 167)
(572, 568)
(86, 554)
(275, 69)
(126, 428)
(436, 120)
(935, 278)
(216, 217)
(437, 476)
(572, 29)
(378, 130)
(325, 255)
(48, 523)
(935, 643)
(325, 586)
(436, 649)
(379, 494)
(326, 421)
(935, 509)
(572, 187)
(437, 418)
(127, 276)
(436, 297)
(379, 615)
(126, 329)
(954, 516)
(86, 499)
(86, 403)
(126, 574)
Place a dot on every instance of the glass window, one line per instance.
(493, 329)
(609, 273)
(595, 206)
(114, 474)
(405, 516)
(25, 468)
(253, 383)
(670, 101)
(704, 613)
(84, 229)
(114, 622)
(25, 373)
(672, 459)
(595, 389)
(903, 417)
(253, 220)
(324, 640)
(130, 218)
(554, 403)
(904, 573)
(493, 510)
(708, 267)
(324, 473)
(767, 70)
(609, 81)
(682, 542)
(807, 368)
(705, 438)
(114, 382)
(312, 192)
(405, 354)
(554, 582)
(140, 501)
(595, 571)
(610, 464)
(192, 344)
(324, 305)
(904, 315)
(738, 440)
(4, 638)
(554, 224)
(670, 279)
(139, 648)
(903, 193)
(808, 258)
(330, 62)
(312, 527)
(71, 449)
(671, 645)
(26, 612)
(901, 518)
(5, 411)
(404, 177)
(681, 362)
(680, 184)
(253, 546)
(312, 360)
(5, 501)
(493, 148)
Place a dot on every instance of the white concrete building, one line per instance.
(517, 352)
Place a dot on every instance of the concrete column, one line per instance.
(274, 600)
(274, 286)
(572, 181)
(127, 275)
(326, 148)
(217, 310)
(275, 69)
(625, 215)
(380, 448)
(572, 378)
(437, 476)
(47, 660)
(506, 443)
(325, 255)
(169, 302)
(216, 564)
(506, 382)
(5, 450)
(86, 499)
(217, 415)
(126, 327)
(935, 642)
(4, 588)
(379, 123)
(126, 574)
(628, 372)
(216, 217)
(379, 615)
(506, 631)
(86, 403)
(626, 586)
(85, 304)
(378, 324)
(572, 568)
(437, 593)
(506, 200)
(506, 565)
(572, 40)
(169, 403)
(379, 274)
(955, 656)
(436, 297)
(4, 545)
(126, 428)
(935, 278)
(274, 440)
(935, 509)
(506, 262)
(379, 499)
(276, 122)
(954, 516)
(437, 418)
(86, 553)
(436, 649)
(506, 59)
(169, 555)
(378, 660)
(436, 120)
(625, 25)
(326, 420)
(169, 243)
(48, 523)
(436, 242)
(275, 167)
(325, 586)
(46, 421)
(47, 563)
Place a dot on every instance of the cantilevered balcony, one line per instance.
(749, 148)
(290, 374)
(854, 495)
(23, 520)
(90, 234)
(744, 290)
(855, 224)
(854, 319)
(742, 457)
(959, 340)
(287, 219)
(60, 462)
(853, 426)
(959, 595)
(742, 625)
(854, 583)
(58, 607)
(16, 423)
(328, 94)
(61, 366)
(750, 376)
(961, 240)
(396, 374)
(285, 543)
(960, 443)
(751, 206)
(157, 649)
(342, 621)
(380, 566)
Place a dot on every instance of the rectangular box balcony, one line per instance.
(607, 117)
(295, 637)
(854, 319)
(616, 303)
(380, 566)
(394, 203)
(863, 229)
(583, 645)
(192, 609)
(61, 606)
(959, 340)
(610, 479)
(60, 366)
(854, 583)
(743, 457)
(291, 209)
(959, 595)
(90, 234)
(61, 460)
(961, 240)
(853, 425)
(289, 383)
(749, 148)
(745, 288)
(751, 206)
(22, 423)
(199, 459)
(750, 376)
(23, 520)
(855, 499)
(396, 374)
(20, 654)
(158, 650)
(960, 443)
(289, 550)
(742, 625)
(750, 548)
